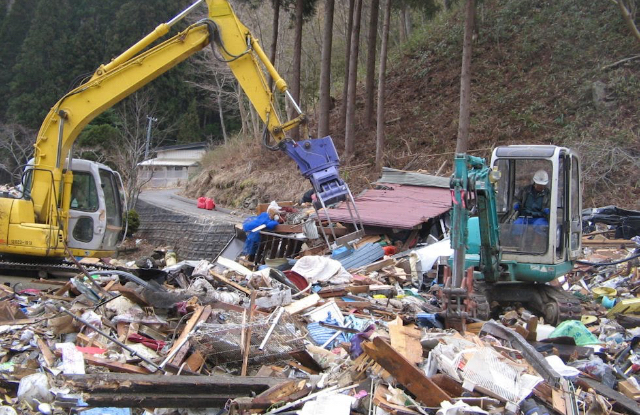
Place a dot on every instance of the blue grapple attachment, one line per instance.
(318, 161)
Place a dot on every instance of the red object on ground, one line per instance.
(91, 350)
(297, 279)
(201, 202)
(209, 204)
(390, 250)
(156, 345)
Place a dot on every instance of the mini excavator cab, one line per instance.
(538, 203)
(518, 221)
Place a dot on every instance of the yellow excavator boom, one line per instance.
(41, 221)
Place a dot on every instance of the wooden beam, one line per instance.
(302, 304)
(47, 354)
(246, 347)
(114, 366)
(156, 384)
(424, 389)
(406, 340)
(230, 283)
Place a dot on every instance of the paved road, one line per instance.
(168, 199)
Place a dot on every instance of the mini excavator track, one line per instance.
(552, 303)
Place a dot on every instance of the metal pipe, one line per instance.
(116, 341)
(273, 326)
(293, 102)
(61, 117)
(161, 30)
(183, 13)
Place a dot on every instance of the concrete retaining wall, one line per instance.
(191, 238)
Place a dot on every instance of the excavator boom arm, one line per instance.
(133, 69)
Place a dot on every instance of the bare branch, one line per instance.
(628, 11)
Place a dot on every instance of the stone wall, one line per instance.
(191, 237)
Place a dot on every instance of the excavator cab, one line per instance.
(97, 208)
(538, 203)
(517, 221)
(96, 211)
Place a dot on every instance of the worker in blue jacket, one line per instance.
(252, 226)
(532, 202)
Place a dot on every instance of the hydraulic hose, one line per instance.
(604, 264)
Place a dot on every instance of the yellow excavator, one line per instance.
(71, 206)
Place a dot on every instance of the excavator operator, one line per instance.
(532, 202)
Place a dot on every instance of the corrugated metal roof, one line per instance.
(413, 178)
(169, 162)
(396, 206)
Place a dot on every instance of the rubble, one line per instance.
(316, 332)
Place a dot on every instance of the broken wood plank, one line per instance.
(47, 354)
(376, 266)
(305, 358)
(302, 304)
(156, 400)
(195, 361)
(448, 384)
(406, 340)
(18, 322)
(283, 228)
(121, 382)
(187, 329)
(48, 282)
(405, 373)
(114, 366)
(234, 266)
(339, 291)
(230, 283)
(279, 393)
(181, 354)
(64, 289)
(246, 348)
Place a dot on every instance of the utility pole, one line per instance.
(146, 149)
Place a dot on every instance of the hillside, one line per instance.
(536, 69)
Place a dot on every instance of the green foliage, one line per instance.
(13, 29)
(133, 222)
(188, 127)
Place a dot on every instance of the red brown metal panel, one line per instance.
(397, 206)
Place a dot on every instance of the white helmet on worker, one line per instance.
(541, 177)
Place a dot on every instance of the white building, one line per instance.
(172, 165)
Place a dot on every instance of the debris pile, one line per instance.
(338, 332)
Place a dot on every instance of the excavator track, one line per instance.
(46, 268)
(552, 303)
(560, 306)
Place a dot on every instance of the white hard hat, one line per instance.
(541, 177)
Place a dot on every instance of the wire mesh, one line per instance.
(222, 342)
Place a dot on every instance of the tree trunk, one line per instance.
(296, 66)
(220, 112)
(406, 20)
(462, 144)
(402, 27)
(345, 89)
(381, 85)
(255, 122)
(325, 71)
(274, 42)
(244, 130)
(371, 63)
(350, 129)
